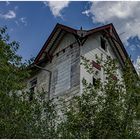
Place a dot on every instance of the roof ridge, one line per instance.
(62, 25)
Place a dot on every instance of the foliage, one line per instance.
(23, 119)
(109, 109)
(20, 118)
(12, 68)
(12, 74)
(105, 110)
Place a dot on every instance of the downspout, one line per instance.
(49, 78)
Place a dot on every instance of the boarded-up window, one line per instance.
(63, 77)
(75, 74)
(96, 65)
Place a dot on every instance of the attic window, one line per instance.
(71, 46)
(103, 44)
(57, 54)
(63, 50)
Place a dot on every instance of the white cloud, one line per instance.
(23, 20)
(7, 3)
(9, 15)
(125, 15)
(16, 7)
(86, 12)
(137, 65)
(20, 21)
(45, 3)
(56, 7)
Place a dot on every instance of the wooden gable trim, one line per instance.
(119, 45)
(45, 45)
(120, 48)
(120, 42)
(66, 28)
(116, 44)
(123, 49)
(51, 50)
(98, 29)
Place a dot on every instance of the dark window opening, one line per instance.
(103, 43)
(32, 89)
(57, 54)
(94, 81)
(33, 84)
(71, 46)
(63, 50)
(31, 94)
(96, 72)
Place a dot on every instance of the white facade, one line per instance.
(89, 50)
(66, 71)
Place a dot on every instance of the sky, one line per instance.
(31, 22)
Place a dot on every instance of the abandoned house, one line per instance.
(57, 66)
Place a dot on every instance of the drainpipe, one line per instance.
(49, 78)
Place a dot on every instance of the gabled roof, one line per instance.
(60, 30)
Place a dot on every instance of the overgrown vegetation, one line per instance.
(105, 110)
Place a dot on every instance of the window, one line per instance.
(71, 46)
(57, 54)
(63, 76)
(94, 81)
(33, 84)
(63, 50)
(103, 44)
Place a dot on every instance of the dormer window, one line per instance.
(103, 44)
